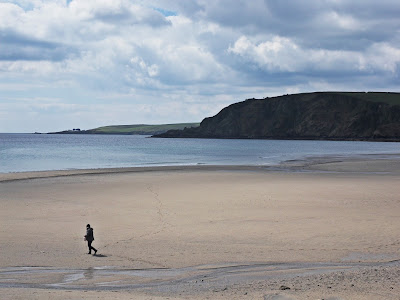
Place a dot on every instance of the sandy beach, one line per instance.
(321, 229)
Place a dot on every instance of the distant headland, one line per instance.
(140, 129)
(372, 116)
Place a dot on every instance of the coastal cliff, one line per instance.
(320, 115)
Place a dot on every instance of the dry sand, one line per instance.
(328, 229)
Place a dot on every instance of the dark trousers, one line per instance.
(90, 247)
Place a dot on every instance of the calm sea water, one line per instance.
(30, 152)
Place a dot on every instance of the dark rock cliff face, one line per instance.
(302, 116)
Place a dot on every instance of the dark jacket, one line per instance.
(89, 234)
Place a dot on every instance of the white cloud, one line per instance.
(283, 55)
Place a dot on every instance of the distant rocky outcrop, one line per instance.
(321, 115)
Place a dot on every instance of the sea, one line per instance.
(41, 152)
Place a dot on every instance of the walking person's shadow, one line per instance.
(100, 255)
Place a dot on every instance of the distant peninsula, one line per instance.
(369, 116)
(140, 129)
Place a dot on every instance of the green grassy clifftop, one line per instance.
(140, 129)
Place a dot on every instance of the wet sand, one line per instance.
(325, 228)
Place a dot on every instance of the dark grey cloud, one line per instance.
(322, 24)
(15, 46)
(335, 25)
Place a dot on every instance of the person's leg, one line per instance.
(90, 247)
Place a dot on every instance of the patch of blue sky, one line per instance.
(166, 13)
(26, 5)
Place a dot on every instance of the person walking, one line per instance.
(90, 238)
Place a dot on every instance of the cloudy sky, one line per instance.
(87, 63)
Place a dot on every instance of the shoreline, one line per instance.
(378, 163)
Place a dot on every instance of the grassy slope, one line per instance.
(142, 129)
(389, 98)
(384, 97)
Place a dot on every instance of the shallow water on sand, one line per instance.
(167, 280)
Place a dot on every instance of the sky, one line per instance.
(68, 64)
